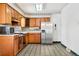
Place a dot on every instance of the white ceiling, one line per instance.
(49, 8)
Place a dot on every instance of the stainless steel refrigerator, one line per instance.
(46, 35)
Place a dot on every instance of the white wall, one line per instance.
(70, 27)
(55, 19)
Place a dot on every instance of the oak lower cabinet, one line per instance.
(26, 38)
(16, 44)
(34, 38)
(37, 37)
(20, 45)
(31, 37)
(9, 45)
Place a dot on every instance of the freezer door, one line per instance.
(48, 38)
(43, 38)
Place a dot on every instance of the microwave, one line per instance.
(6, 29)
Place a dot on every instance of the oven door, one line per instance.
(2, 30)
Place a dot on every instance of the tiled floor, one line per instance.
(55, 49)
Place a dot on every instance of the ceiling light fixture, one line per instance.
(39, 7)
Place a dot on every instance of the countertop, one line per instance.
(31, 32)
(8, 34)
(24, 32)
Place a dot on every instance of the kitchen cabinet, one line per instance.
(34, 37)
(5, 14)
(32, 22)
(46, 19)
(20, 42)
(22, 22)
(16, 46)
(19, 19)
(31, 38)
(27, 22)
(16, 14)
(42, 19)
(9, 15)
(15, 18)
(26, 38)
(37, 37)
(38, 23)
(9, 46)
(12, 13)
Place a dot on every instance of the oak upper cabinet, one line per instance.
(47, 19)
(8, 14)
(22, 22)
(16, 15)
(38, 22)
(5, 14)
(32, 22)
(42, 19)
(19, 19)
(27, 22)
(12, 13)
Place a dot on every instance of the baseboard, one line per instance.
(34, 43)
(74, 53)
(63, 45)
(56, 42)
(71, 50)
(46, 43)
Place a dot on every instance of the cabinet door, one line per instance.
(31, 38)
(27, 22)
(2, 13)
(47, 19)
(6, 46)
(22, 22)
(37, 38)
(8, 15)
(15, 13)
(12, 13)
(26, 38)
(32, 22)
(38, 23)
(19, 19)
(16, 42)
(42, 19)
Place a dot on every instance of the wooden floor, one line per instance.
(55, 49)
